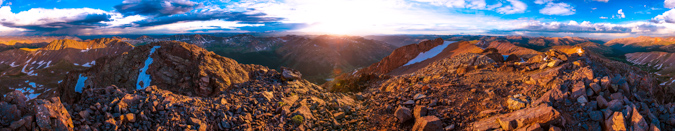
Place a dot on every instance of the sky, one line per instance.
(601, 19)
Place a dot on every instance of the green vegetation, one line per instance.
(297, 119)
(349, 83)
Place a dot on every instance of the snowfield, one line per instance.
(144, 78)
(429, 54)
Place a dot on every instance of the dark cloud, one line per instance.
(240, 17)
(156, 7)
(51, 25)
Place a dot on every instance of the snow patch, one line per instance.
(429, 54)
(80, 83)
(505, 56)
(144, 78)
(89, 64)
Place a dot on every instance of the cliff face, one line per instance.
(401, 56)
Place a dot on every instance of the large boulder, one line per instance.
(428, 123)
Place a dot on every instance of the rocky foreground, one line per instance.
(190, 88)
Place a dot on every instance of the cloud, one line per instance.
(240, 17)
(557, 9)
(602, 1)
(667, 17)
(602, 17)
(669, 4)
(621, 14)
(540, 2)
(54, 20)
(156, 7)
(515, 7)
(588, 27)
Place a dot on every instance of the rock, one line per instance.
(596, 88)
(129, 117)
(596, 115)
(9, 112)
(290, 74)
(606, 83)
(420, 96)
(46, 110)
(403, 114)
(305, 112)
(554, 63)
(615, 105)
(531, 127)
(554, 94)
(554, 128)
(638, 122)
(17, 124)
(433, 103)
(428, 123)
(339, 115)
(602, 103)
(515, 104)
(200, 125)
(616, 96)
(419, 111)
(543, 114)
(409, 102)
(579, 89)
(450, 127)
(615, 123)
(582, 100)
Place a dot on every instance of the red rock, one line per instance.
(579, 89)
(615, 123)
(540, 114)
(638, 122)
(428, 123)
(531, 127)
(403, 114)
(419, 111)
(602, 102)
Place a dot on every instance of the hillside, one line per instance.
(38, 70)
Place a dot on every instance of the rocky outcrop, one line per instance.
(38, 114)
(401, 56)
(175, 66)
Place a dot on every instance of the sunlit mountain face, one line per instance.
(355, 65)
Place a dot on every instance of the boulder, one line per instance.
(290, 74)
(638, 122)
(531, 127)
(419, 111)
(403, 114)
(52, 115)
(602, 102)
(579, 89)
(543, 114)
(515, 104)
(615, 123)
(428, 123)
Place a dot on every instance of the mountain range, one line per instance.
(245, 82)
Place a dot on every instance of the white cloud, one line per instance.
(542, 1)
(602, 17)
(512, 6)
(0, 2)
(669, 4)
(515, 7)
(602, 1)
(558, 9)
(363, 17)
(621, 14)
(667, 17)
(39, 16)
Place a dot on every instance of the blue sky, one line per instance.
(602, 19)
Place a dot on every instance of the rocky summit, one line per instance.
(435, 85)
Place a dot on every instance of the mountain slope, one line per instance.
(643, 44)
(40, 69)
